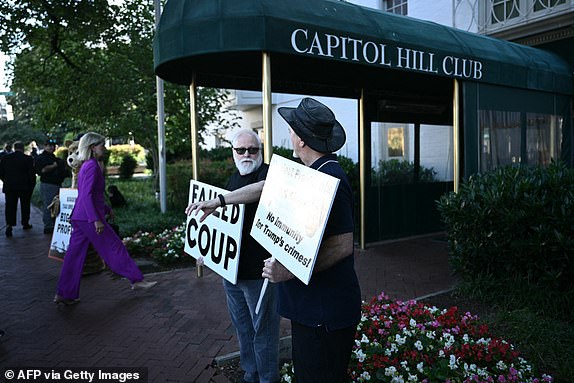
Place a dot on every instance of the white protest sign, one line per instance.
(218, 238)
(292, 214)
(62, 226)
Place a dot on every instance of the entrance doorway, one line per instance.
(411, 153)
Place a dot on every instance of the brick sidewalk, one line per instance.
(175, 329)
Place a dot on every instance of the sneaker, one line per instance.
(9, 231)
(27, 227)
(143, 285)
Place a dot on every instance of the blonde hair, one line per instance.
(85, 145)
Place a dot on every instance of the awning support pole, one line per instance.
(266, 94)
(362, 167)
(194, 130)
(194, 145)
(456, 135)
(160, 128)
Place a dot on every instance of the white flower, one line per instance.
(484, 342)
(364, 339)
(431, 334)
(391, 371)
(465, 338)
(501, 365)
(413, 378)
(441, 354)
(365, 376)
(287, 378)
(452, 363)
(419, 345)
(360, 355)
(413, 323)
(420, 367)
(449, 340)
(400, 340)
(433, 309)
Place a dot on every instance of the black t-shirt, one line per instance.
(54, 177)
(333, 296)
(252, 253)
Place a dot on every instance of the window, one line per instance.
(541, 5)
(503, 10)
(501, 139)
(543, 138)
(398, 7)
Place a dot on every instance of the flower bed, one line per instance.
(166, 248)
(401, 342)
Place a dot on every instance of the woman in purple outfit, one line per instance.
(90, 227)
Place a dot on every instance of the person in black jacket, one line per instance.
(52, 171)
(19, 179)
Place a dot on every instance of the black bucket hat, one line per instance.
(316, 125)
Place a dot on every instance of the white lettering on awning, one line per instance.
(329, 45)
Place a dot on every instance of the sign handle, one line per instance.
(261, 294)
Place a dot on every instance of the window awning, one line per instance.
(336, 46)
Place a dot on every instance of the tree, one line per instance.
(88, 65)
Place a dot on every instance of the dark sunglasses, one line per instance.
(249, 150)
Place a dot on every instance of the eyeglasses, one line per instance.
(249, 150)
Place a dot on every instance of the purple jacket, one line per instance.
(90, 205)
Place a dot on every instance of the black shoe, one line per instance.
(27, 227)
(48, 231)
(9, 231)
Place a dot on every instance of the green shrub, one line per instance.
(127, 166)
(393, 172)
(215, 154)
(118, 152)
(514, 224)
(142, 211)
(214, 173)
(284, 152)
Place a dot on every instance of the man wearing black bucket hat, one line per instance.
(325, 313)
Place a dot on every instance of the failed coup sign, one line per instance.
(218, 238)
(292, 214)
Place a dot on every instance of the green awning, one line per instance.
(335, 45)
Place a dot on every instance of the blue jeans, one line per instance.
(258, 334)
(48, 192)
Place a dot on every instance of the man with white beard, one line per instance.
(258, 334)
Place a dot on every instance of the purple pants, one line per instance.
(108, 245)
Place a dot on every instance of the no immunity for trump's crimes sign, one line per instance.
(62, 226)
(292, 214)
(218, 238)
